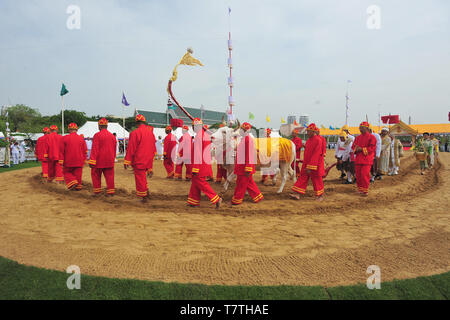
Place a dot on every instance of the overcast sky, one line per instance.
(290, 57)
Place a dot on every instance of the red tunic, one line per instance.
(202, 154)
(103, 152)
(73, 150)
(170, 142)
(141, 148)
(39, 151)
(53, 146)
(185, 148)
(368, 143)
(298, 147)
(245, 157)
(324, 152)
(324, 146)
(313, 155)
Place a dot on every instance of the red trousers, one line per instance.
(179, 170)
(72, 177)
(362, 173)
(168, 164)
(140, 177)
(96, 175)
(44, 165)
(297, 167)
(198, 186)
(54, 171)
(246, 183)
(302, 183)
(221, 173)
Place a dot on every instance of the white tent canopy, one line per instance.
(90, 128)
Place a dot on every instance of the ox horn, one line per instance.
(238, 125)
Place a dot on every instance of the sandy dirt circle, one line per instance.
(403, 227)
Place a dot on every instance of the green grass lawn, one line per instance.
(25, 165)
(23, 282)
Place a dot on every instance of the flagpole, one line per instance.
(346, 103)
(62, 114)
(123, 125)
(230, 65)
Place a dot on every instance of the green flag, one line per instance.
(64, 91)
(251, 116)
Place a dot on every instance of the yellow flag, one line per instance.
(282, 120)
(188, 60)
(322, 127)
(268, 119)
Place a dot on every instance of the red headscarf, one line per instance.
(140, 117)
(103, 122)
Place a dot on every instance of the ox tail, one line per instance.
(291, 166)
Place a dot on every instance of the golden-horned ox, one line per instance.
(274, 155)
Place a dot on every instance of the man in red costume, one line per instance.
(184, 155)
(102, 158)
(39, 152)
(364, 148)
(201, 167)
(324, 152)
(245, 168)
(170, 143)
(52, 154)
(73, 156)
(313, 166)
(298, 150)
(140, 153)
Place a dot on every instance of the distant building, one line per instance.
(162, 119)
(113, 116)
(304, 119)
(291, 119)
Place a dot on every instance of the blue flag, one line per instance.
(124, 100)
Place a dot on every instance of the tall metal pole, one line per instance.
(123, 125)
(346, 103)
(230, 64)
(8, 138)
(62, 114)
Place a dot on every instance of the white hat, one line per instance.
(385, 129)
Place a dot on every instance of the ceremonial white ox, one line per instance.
(274, 155)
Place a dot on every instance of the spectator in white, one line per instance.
(375, 170)
(342, 153)
(89, 147)
(15, 153)
(22, 152)
(349, 163)
(159, 148)
(117, 148)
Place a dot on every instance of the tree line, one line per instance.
(25, 119)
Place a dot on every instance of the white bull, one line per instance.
(227, 139)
